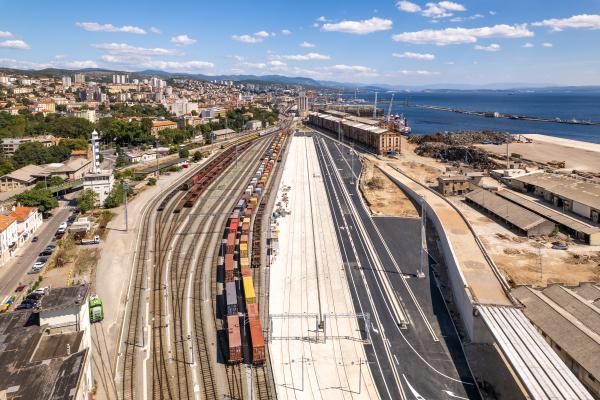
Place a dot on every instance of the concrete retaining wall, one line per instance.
(476, 330)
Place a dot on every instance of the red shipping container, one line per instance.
(246, 272)
(234, 338)
(230, 248)
(258, 341)
(229, 268)
(252, 310)
(233, 225)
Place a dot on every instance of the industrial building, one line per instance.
(578, 229)
(363, 131)
(453, 185)
(523, 220)
(578, 196)
(569, 319)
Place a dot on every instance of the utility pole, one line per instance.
(157, 169)
(423, 254)
(507, 157)
(125, 190)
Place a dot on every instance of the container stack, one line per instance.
(238, 273)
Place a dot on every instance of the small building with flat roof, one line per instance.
(523, 220)
(453, 185)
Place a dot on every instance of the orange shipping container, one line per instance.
(258, 342)
(234, 337)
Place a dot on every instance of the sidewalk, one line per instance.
(14, 272)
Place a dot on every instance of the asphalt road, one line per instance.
(424, 361)
(15, 271)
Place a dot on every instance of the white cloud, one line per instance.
(277, 63)
(239, 58)
(359, 27)
(353, 69)
(420, 72)
(246, 38)
(583, 21)
(415, 56)
(255, 38)
(306, 57)
(322, 19)
(143, 62)
(183, 40)
(547, 45)
(5, 34)
(442, 9)
(154, 29)
(286, 32)
(491, 47)
(255, 65)
(96, 27)
(79, 64)
(20, 64)
(408, 6)
(448, 36)
(469, 18)
(528, 45)
(492, 12)
(262, 34)
(124, 48)
(14, 44)
(307, 45)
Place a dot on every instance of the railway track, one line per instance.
(181, 251)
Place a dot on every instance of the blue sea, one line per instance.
(566, 106)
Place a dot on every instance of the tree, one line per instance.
(40, 198)
(87, 201)
(115, 198)
(146, 125)
(197, 156)
(184, 153)
(151, 181)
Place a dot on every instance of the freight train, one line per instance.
(236, 262)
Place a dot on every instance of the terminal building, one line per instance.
(363, 131)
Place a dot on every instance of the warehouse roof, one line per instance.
(589, 291)
(583, 192)
(64, 297)
(565, 329)
(507, 210)
(556, 216)
(27, 174)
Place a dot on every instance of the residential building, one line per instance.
(66, 82)
(222, 134)
(253, 125)
(10, 145)
(182, 107)
(29, 219)
(79, 78)
(302, 104)
(8, 237)
(90, 115)
(158, 126)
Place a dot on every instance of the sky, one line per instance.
(475, 42)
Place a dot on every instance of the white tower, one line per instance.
(95, 152)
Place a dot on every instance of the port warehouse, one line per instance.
(578, 196)
(525, 221)
(363, 131)
(237, 274)
(569, 320)
(579, 230)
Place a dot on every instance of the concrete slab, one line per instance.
(308, 283)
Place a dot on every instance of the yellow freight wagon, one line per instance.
(249, 293)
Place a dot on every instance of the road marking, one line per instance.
(396, 359)
(451, 394)
(412, 389)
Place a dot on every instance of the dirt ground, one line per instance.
(532, 261)
(382, 196)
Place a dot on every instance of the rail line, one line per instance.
(171, 376)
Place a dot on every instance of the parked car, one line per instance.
(62, 227)
(560, 246)
(34, 239)
(43, 290)
(25, 306)
(35, 296)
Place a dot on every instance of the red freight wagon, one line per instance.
(235, 339)
(243, 239)
(252, 310)
(245, 229)
(230, 243)
(246, 271)
(248, 212)
(229, 268)
(257, 341)
(233, 225)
